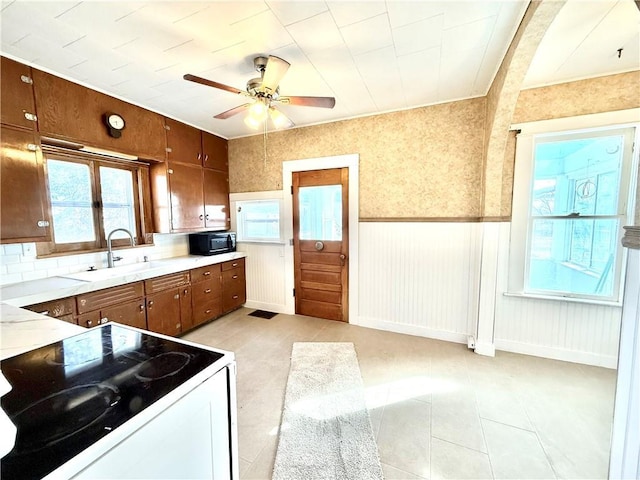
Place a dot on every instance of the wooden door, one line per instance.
(321, 243)
(23, 205)
(163, 312)
(186, 197)
(16, 95)
(131, 313)
(216, 199)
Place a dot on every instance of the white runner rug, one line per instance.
(326, 430)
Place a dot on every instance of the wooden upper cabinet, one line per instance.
(216, 199)
(214, 152)
(17, 106)
(71, 112)
(183, 143)
(24, 209)
(186, 197)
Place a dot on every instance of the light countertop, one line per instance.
(53, 288)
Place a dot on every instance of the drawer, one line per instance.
(205, 273)
(233, 298)
(88, 302)
(55, 308)
(205, 292)
(231, 264)
(166, 282)
(230, 277)
(202, 313)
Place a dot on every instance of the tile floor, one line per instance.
(438, 410)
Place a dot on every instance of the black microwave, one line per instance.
(212, 243)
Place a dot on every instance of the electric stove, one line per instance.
(68, 395)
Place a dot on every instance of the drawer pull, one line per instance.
(177, 296)
(208, 290)
(185, 291)
(234, 264)
(207, 311)
(234, 277)
(206, 274)
(235, 297)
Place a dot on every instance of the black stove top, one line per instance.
(67, 395)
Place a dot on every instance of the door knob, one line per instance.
(343, 257)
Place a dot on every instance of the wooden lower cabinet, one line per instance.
(123, 304)
(234, 291)
(62, 309)
(206, 293)
(169, 303)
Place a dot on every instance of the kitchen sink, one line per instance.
(107, 273)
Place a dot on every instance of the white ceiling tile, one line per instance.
(264, 30)
(418, 36)
(357, 38)
(316, 33)
(465, 12)
(38, 48)
(53, 9)
(91, 49)
(420, 73)
(403, 13)
(468, 36)
(458, 73)
(87, 12)
(380, 73)
(292, 12)
(346, 13)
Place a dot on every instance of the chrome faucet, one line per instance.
(110, 257)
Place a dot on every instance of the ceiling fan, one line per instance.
(264, 92)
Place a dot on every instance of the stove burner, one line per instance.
(162, 366)
(68, 412)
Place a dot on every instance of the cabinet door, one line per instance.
(23, 205)
(91, 319)
(132, 313)
(214, 152)
(163, 312)
(186, 309)
(17, 105)
(186, 197)
(216, 199)
(183, 143)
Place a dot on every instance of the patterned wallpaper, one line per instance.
(425, 162)
(417, 163)
(604, 94)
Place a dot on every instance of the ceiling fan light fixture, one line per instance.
(279, 119)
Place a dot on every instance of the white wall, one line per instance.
(18, 262)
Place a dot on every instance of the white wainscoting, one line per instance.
(420, 278)
(265, 276)
(562, 330)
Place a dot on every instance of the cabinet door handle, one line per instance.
(234, 264)
(201, 217)
(207, 216)
(142, 308)
(176, 296)
(30, 116)
(185, 291)
(89, 323)
(208, 290)
(234, 277)
(199, 156)
(207, 311)
(150, 302)
(104, 320)
(206, 274)
(235, 297)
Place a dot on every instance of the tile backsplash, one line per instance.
(18, 262)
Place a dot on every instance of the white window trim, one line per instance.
(234, 198)
(522, 190)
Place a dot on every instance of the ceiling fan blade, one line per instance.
(279, 119)
(232, 112)
(323, 102)
(273, 73)
(211, 83)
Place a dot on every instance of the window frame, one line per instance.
(141, 197)
(519, 246)
(240, 199)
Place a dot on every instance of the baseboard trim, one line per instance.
(269, 307)
(573, 356)
(486, 349)
(411, 330)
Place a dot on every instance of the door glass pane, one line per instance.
(117, 201)
(320, 212)
(71, 201)
(573, 256)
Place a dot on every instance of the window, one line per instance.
(578, 200)
(259, 220)
(90, 198)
